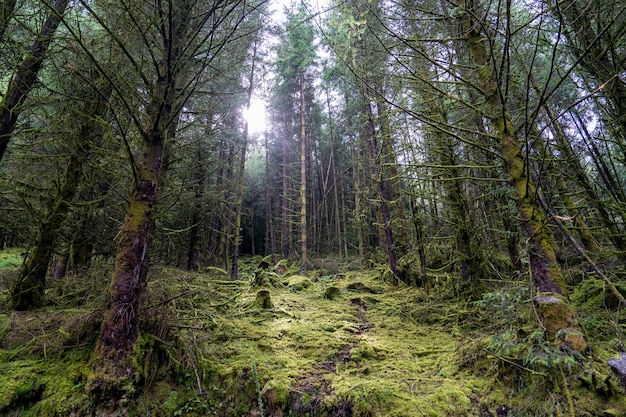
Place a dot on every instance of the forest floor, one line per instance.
(338, 342)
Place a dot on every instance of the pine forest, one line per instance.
(312, 208)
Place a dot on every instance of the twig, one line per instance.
(162, 303)
(514, 364)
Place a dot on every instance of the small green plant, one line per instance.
(257, 385)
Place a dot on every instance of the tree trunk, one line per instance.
(113, 366)
(27, 290)
(26, 75)
(114, 369)
(554, 310)
(304, 263)
(268, 198)
(382, 191)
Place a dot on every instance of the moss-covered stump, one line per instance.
(559, 319)
(263, 300)
(264, 278)
(299, 283)
(332, 292)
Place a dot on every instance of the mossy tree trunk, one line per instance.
(113, 366)
(24, 79)
(383, 190)
(546, 272)
(27, 290)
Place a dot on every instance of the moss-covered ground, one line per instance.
(344, 343)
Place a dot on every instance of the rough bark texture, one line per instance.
(113, 367)
(24, 79)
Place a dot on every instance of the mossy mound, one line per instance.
(299, 283)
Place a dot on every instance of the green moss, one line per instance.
(376, 349)
(299, 283)
(11, 258)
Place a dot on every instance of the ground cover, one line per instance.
(340, 342)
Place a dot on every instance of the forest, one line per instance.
(342, 208)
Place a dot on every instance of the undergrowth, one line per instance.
(365, 347)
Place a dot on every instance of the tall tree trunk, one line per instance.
(193, 253)
(333, 166)
(241, 176)
(285, 223)
(268, 198)
(382, 190)
(24, 79)
(356, 178)
(113, 360)
(304, 263)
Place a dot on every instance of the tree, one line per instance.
(26, 74)
(186, 39)
(295, 57)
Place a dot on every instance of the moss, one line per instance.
(379, 351)
(11, 258)
(299, 282)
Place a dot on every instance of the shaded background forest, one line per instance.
(400, 119)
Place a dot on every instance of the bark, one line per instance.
(113, 362)
(268, 198)
(113, 367)
(546, 271)
(285, 235)
(24, 80)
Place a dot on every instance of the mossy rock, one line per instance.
(299, 283)
(332, 292)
